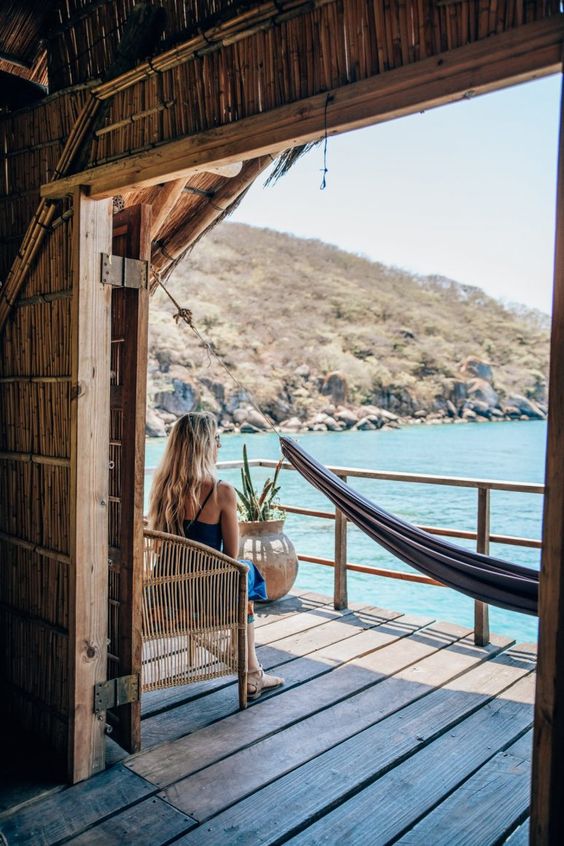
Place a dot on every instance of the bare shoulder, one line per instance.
(226, 495)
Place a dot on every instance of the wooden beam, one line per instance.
(168, 197)
(547, 812)
(90, 422)
(521, 54)
(165, 253)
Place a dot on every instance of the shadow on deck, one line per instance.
(389, 729)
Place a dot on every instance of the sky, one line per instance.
(465, 191)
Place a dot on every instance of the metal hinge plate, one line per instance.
(114, 692)
(124, 272)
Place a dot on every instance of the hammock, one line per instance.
(488, 579)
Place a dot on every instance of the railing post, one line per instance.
(481, 610)
(340, 599)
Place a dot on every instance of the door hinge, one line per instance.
(114, 692)
(124, 272)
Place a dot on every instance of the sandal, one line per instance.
(258, 680)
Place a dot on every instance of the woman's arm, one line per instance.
(228, 519)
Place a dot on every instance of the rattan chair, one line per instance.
(194, 614)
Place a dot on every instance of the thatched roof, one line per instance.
(213, 63)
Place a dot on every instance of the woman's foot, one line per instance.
(258, 680)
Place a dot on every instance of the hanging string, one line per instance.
(325, 169)
(185, 314)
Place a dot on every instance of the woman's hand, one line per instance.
(227, 499)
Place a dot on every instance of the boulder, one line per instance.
(332, 424)
(512, 412)
(154, 425)
(256, 419)
(249, 429)
(475, 367)
(451, 408)
(237, 399)
(293, 424)
(319, 427)
(481, 391)
(182, 398)
(420, 414)
(481, 408)
(526, 407)
(375, 419)
(458, 392)
(217, 389)
(468, 414)
(303, 370)
(368, 410)
(335, 386)
(365, 425)
(346, 416)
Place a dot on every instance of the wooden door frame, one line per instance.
(89, 487)
(528, 52)
(134, 404)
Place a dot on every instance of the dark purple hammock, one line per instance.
(488, 579)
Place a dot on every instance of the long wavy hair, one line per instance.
(187, 463)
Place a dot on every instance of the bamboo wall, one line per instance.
(240, 69)
(35, 395)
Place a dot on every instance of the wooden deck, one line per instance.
(389, 729)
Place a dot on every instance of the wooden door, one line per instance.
(131, 239)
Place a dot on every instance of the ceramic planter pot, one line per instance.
(272, 552)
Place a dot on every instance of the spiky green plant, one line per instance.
(252, 505)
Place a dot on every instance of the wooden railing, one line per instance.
(482, 535)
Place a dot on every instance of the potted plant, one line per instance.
(261, 527)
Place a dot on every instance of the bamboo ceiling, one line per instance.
(231, 60)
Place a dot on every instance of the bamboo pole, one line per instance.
(165, 254)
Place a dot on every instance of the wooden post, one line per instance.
(340, 599)
(481, 610)
(88, 519)
(547, 811)
(133, 378)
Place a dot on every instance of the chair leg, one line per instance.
(242, 689)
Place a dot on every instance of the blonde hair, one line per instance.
(187, 463)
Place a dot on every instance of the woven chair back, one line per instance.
(194, 613)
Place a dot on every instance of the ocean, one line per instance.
(508, 451)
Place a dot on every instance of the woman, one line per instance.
(187, 499)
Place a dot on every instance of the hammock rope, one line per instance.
(479, 576)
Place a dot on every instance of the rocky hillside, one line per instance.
(326, 339)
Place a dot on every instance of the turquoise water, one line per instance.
(502, 451)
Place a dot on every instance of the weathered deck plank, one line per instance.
(172, 724)
(389, 806)
(506, 775)
(352, 749)
(165, 764)
(277, 755)
(289, 803)
(145, 824)
(69, 812)
(520, 837)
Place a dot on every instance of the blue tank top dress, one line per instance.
(210, 535)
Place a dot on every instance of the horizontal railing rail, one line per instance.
(482, 535)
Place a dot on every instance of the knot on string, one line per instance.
(184, 314)
(325, 169)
